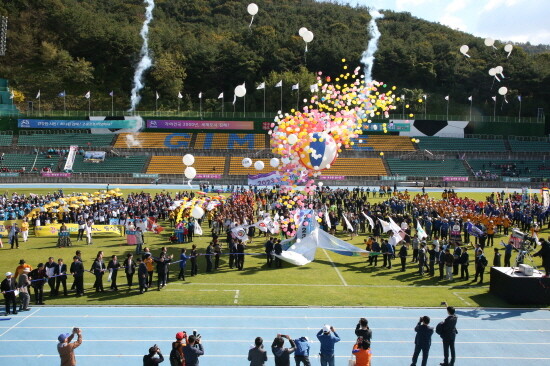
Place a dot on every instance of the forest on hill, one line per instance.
(207, 46)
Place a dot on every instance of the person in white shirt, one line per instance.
(89, 226)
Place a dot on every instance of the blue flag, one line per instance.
(474, 230)
(62, 94)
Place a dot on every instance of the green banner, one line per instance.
(9, 174)
(516, 179)
(393, 177)
(144, 175)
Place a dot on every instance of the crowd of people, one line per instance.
(186, 350)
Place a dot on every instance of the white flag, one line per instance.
(11, 95)
(279, 84)
(200, 95)
(314, 88)
(470, 98)
(369, 219)
(420, 231)
(327, 219)
(348, 224)
(88, 95)
(179, 95)
(240, 233)
(38, 95)
(234, 98)
(385, 225)
(158, 96)
(447, 98)
(220, 96)
(494, 99)
(198, 229)
(296, 86)
(261, 86)
(394, 227)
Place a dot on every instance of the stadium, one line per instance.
(335, 199)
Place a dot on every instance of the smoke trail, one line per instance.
(145, 61)
(368, 56)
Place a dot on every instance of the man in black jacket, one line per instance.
(77, 270)
(423, 340)
(447, 330)
(193, 350)
(544, 253)
(8, 290)
(61, 276)
(152, 359)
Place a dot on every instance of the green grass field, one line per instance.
(331, 280)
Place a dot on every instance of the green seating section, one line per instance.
(5, 140)
(112, 164)
(460, 144)
(427, 168)
(528, 146)
(15, 162)
(523, 168)
(65, 140)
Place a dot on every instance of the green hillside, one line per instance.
(206, 46)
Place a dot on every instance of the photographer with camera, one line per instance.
(66, 348)
(423, 340)
(193, 350)
(154, 357)
(282, 355)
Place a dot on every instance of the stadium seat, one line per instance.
(5, 140)
(234, 141)
(65, 140)
(427, 168)
(174, 165)
(460, 144)
(350, 167)
(15, 162)
(111, 164)
(153, 140)
(383, 143)
(523, 168)
(236, 166)
(529, 146)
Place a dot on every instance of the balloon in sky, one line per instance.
(308, 36)
(274, 162)
(252, 9)
(503, 90)
(247, 162)
(240, 91)
(188, 159)
(302, 31)
(508, 48)
(259, 165)
(320, 152)
(190, 172)
(499, 70)
(197, 212)
(464, 50)
(489, 42)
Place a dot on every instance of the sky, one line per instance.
(505, 20)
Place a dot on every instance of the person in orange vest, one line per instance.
(490, 233)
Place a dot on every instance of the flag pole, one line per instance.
(39, 105)
(200, 106)
(156, 103)
(223, 101)
(494, 109)
(112, 104)
(281, 99)
(519, 114)
(64, 96)
(244, 104)
(448, 99)
(298, 99)
(89, 106)
(471, 102)
(178, 105)
(264, 100)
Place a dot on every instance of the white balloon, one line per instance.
(274, 162)
(503, 90)
(188, 159)
(259, 165)
(499, 69)
(464, 49)
(292, 139)
(247, 162)
(492, 72)
(197, 212)
(308, 37)
(508, 48)
(320, 184)
(302, 31)
(240, 91)
(252, 9)
(190, 172)
(285, 160)
(489, 42)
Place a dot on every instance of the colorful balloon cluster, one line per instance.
(309, 141)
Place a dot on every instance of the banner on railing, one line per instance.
(265, 179)
(455, 179)
(144, 175)
(62, 123)
(208, 176)
(70, 158)
(332, 177)
(390, 126)
(200, 125)
(52, 230)
(9, 174)
(393, 177)
(94, 156)
(516, 179)
(55, 174)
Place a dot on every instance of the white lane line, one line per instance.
(336, 269)
(503, 357)
(324, 285)
(21, 321)
(248, 341)
(461, 298)
(289, 328)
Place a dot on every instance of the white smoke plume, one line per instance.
(145, 62)
(368, 56)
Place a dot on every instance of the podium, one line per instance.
(518, 289)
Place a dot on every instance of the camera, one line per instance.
(197, 335)
(76, 330)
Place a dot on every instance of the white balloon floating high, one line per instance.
(247, 162)
(274, 162)
(292, 139)
(240, 91)
(259, 165)
(306, 35)
(197, 212)
(464, 50)
(493, 72)
(489, 42)
(188, 159)
(503, 90)
(190, 172)
(252, 10)
(302, 31)
(508, 48)
(499, 70)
